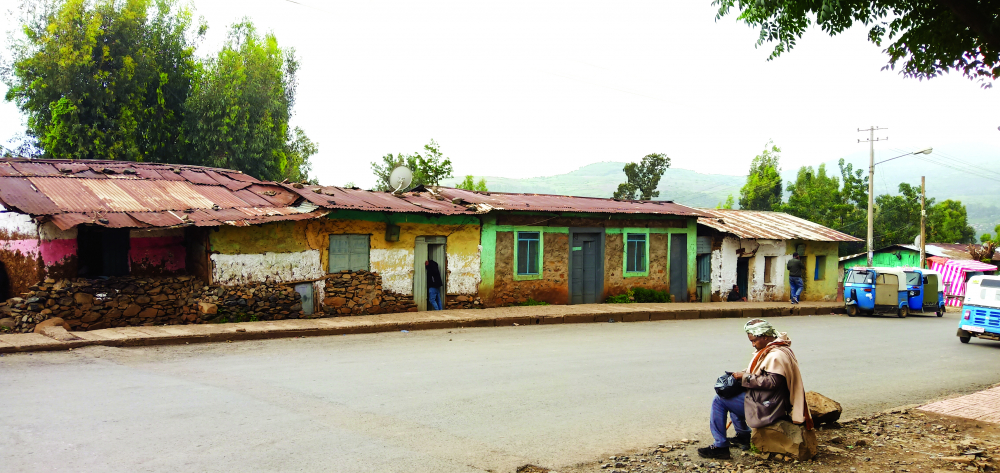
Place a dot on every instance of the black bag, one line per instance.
(727, 386)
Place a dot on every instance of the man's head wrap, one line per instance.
(760, 328)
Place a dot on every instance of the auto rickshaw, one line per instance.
(933, 292)
(877, 289)
(980, 309)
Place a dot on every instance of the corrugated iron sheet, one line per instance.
(562, 203)
(769, 226)
(21, 194)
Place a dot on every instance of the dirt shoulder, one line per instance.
(898, 440)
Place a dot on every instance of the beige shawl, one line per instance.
(777, 357)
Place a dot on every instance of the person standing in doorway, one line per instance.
(434, 284)
(794, 267)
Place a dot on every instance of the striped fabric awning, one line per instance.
(953, 275)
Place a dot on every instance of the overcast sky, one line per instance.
(529, 88)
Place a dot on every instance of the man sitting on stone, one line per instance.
(735, 295)
(774, 392)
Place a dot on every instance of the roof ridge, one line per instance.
(56, 161)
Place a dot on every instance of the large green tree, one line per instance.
(816, 196)
(470, 184)
(103, 79)
(926, 37)
(947, 222)
(238, 110)
(897, 217)
(429, 167)
(642, 178)
(762, 190)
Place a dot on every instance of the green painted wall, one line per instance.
(888, 259)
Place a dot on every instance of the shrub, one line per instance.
(626, 298)
(650, 295)
(531, 301)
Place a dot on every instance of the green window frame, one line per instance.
(635, 255)
(349, 252)
(528, 254)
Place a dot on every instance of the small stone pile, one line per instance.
(360, 292)
(252, 302)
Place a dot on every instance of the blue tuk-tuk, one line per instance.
(980, 309)
(932, 292)
(871, 290)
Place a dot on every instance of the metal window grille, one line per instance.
(527, 253)
(635, 253)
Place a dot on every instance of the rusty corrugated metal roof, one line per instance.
(486, 201)
(136, 195)
(769, 226)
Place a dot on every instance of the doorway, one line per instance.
(679, 267)
(743, 276)
(102, 251)
(429, 248)
(586, 282)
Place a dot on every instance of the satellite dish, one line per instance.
(400, 178)
(916, 241)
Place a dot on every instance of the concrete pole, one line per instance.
(871, 191)
(923, 224)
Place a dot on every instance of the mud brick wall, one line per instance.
(361, 292)
(91, 304)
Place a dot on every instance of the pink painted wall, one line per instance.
(157, 254)
(57, 251)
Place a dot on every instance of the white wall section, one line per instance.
(396, 268)
(463, 274)
(231, 270)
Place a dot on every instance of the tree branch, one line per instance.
(968, 13)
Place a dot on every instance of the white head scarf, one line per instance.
(760, 328)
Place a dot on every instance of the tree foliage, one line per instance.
(642, 178)
(728, 204)
(103, 79)
(947, 222)
(926, 37)
(238, 110)
(107, 79)
(817, 197)
(429, 167)
(762, 190)
(470, 184)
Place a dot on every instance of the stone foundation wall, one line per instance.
(361, 292)
(91, 304)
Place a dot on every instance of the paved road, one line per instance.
(466, 400)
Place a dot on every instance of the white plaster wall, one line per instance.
(463, 276)
(724, 268)
(232, 270)
(48, 231)
(18, 225)
(396, 268)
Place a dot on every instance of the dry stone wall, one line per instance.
(361, 292)
(92, 304)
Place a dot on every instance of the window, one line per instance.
(635, 253)
(349, 252)
(704, 268)
(820, 271)
(768, 269)
(527, 258)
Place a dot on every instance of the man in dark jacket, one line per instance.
(433, 285)
(735, 295)
(794, 267)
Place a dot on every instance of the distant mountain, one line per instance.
(602, 179)
(966, 172)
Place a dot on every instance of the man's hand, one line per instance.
(737, 375)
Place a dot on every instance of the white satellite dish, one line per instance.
(400, 178)
(916, 241)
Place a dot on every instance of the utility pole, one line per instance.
(923, 224)
(871, 185)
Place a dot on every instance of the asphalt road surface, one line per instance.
(467, 400)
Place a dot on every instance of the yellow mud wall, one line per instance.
(824, 289)
(306, 244)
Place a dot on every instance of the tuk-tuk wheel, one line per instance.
(852, 310)
(903, 312)
(939, 313)
(964, 339)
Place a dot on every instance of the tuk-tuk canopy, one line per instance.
(879, 270)
(983, 291)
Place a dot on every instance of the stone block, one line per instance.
(687, 314)
(635, 317)
(823, 409)
(578, 319)
(807, 310)
(56, 332)
(131, 311)
(53, 322)
(142, 300)
(208, 308)
(786, 438)
(83, 298)
(148, 313)
(753, 313)
(654, 316)
(91, 317)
